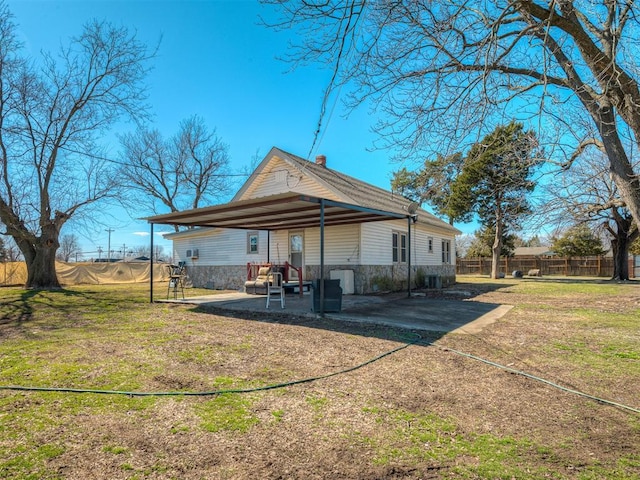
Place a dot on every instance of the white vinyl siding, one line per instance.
(219, 247)
(376, 242)
(341, 245)
(279, 247)
(420, 253)
(365, 244)
(280, 177)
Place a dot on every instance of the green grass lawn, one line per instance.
(420, 413)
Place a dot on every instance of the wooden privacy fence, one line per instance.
(576, 266)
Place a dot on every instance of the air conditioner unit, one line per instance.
(346, 280)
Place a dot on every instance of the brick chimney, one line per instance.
(321, 160)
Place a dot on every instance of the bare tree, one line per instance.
(11, 251)
(69, 246)
(141, 251)
(51, 116)
(182, 172)
(455, 66)
(463, 242)
(586, 194)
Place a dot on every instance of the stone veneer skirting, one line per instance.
(367, 278)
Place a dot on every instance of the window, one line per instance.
(252, 242)
(446, 251)
(399, 247)
(403, 248)
(430, 245)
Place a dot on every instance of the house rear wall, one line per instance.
(365, 249)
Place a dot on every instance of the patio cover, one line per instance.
(285, 211)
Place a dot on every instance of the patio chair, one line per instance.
(275, 287)
(177, 274)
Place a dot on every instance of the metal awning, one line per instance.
(284, 211)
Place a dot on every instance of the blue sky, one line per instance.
(215, 60)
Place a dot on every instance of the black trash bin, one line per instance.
(332, 295)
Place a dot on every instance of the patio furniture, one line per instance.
(177, 274)
(275, 287)
(258, 286)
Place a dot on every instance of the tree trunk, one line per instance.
(622, 236)
(40, 256)
(41, 271)
(496, 249)
(620, 258)
(620, 167)
(626, 235)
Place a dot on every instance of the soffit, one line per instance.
(285, 211)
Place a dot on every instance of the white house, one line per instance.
(377, 235)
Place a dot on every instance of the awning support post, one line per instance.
(151, 267)
(409, 256)
(322, 257)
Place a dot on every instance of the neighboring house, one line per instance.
(533, 252)
(376, 251)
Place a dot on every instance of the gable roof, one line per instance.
(356, 202)
(349, 189)
(533, 251)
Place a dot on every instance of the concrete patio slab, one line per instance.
(418, 312)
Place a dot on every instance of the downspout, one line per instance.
(409, 256)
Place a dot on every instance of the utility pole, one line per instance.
(99, 252)
(109, 244)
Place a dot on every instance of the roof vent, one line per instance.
(321, 160)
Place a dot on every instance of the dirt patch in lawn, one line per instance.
(423, 411)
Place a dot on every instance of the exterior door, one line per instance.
(296, 253)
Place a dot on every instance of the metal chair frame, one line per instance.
(177, 274)
(275, 286)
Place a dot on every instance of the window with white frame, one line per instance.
(252, 242)
(446, 251)
(399, 247)
(430, 245)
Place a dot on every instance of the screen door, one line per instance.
(296, 257)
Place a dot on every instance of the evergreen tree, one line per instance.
(494, 183)
(481, 245)
(432, 184)
(578, 241)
